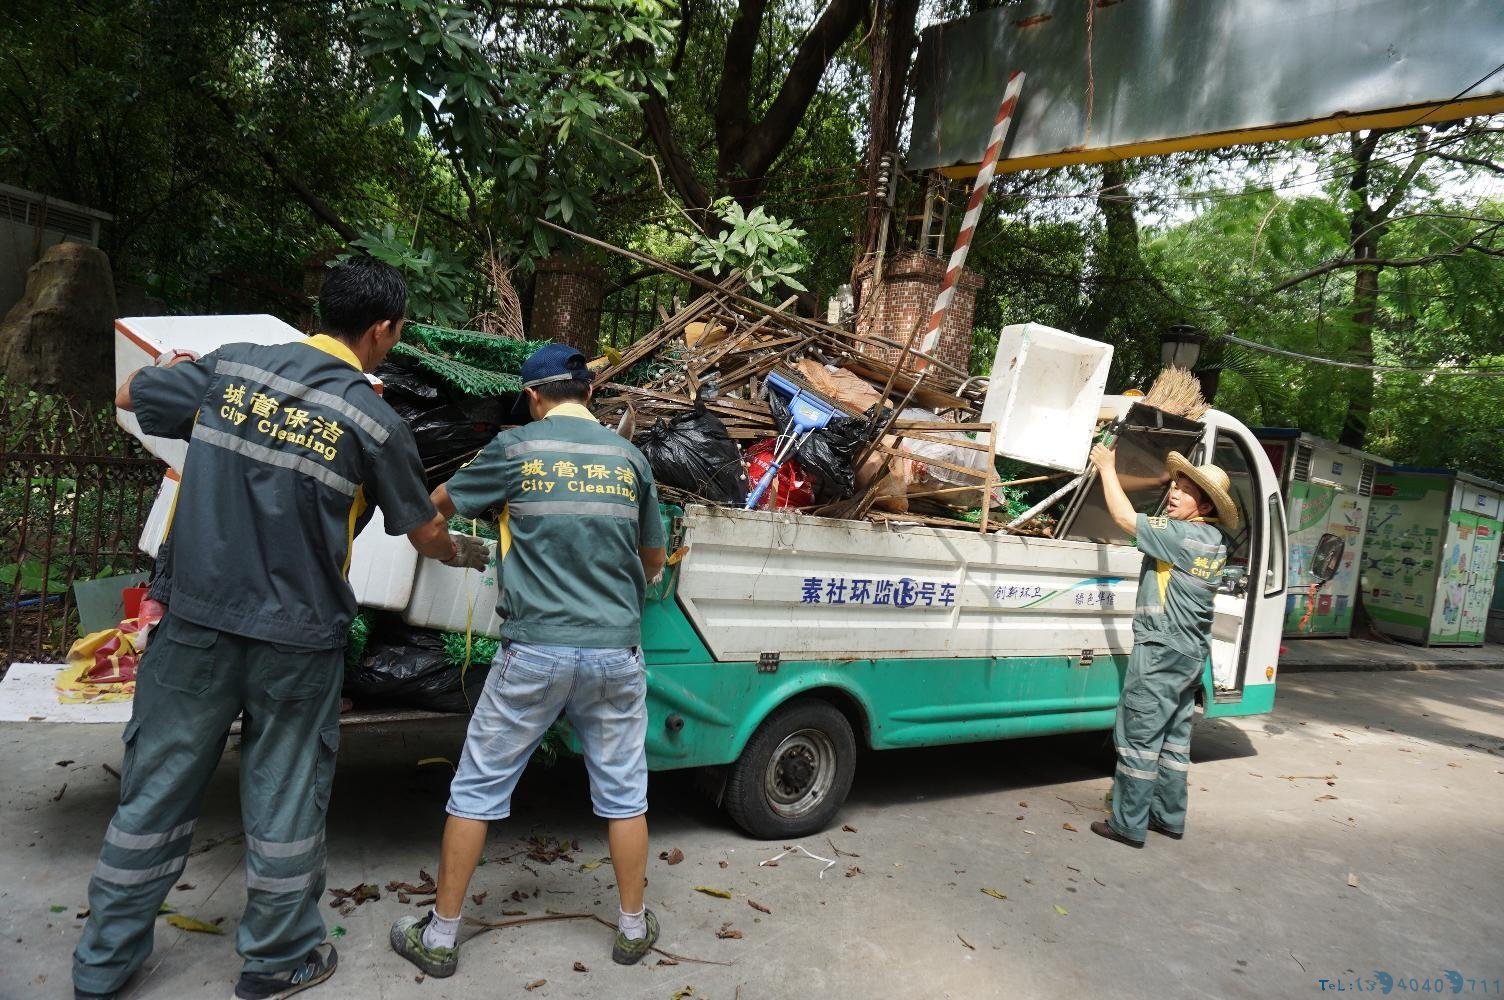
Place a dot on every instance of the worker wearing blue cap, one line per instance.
(579, 539)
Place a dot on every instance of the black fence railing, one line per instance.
(75, 491)
(631, 311)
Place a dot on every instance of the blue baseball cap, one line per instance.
(554, 363)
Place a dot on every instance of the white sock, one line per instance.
(441, 931)
(633, 925)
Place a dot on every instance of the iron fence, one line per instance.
(75, 491)
(632, 310)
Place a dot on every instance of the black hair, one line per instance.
(359, 292)
(572, 390)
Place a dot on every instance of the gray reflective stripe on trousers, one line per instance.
(1139, 754)
(145, 841)
(1134, 772)
(1177, 747)
(136, 876)
(534, 507)
(293, 883)
(527, 447)
(282, 849)
(261, 453)
(1175, 765)
(307, 393)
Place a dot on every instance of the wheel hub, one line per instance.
(800, 772)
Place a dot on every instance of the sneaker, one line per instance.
(317, 967)
(407, 941)
(629, 951)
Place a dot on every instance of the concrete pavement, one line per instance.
(1357, 829)
(1308, 655)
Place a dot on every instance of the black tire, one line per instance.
(794, 773)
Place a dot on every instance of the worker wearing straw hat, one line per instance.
(1184, 552)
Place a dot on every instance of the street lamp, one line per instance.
(1180, 346)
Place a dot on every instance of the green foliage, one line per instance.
(438, 282)
(767, 251)
(522, 105)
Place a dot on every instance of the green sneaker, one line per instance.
(629, 951)
(407, 941)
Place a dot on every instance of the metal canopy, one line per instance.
(1167, 75)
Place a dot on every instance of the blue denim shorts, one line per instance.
(604, 694)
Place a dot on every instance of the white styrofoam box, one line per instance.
(1045, 390)
(442, 597)
(139, 340)
(382, 567)
(157, 519)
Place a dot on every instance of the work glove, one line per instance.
(469, 553)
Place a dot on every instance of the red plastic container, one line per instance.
(132, 598)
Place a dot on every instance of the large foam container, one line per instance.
(139, 340)
(442, 598)
(382, 567)
(1045, 390)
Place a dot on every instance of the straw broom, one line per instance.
(1177, 391)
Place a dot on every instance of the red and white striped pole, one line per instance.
(1000, 128)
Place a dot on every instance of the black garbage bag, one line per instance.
(827, 454)
(404, 667)
(447, 425)
(692, 452)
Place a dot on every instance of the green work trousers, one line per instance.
(1153, 739)
(192, 683)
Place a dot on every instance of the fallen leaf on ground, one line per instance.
(436, 760)
(428, 901)
(967, 943)
(57, 909)
(717, 893)
(518, 896)
(514, 913)
(591, 866)
(994, 893)
(167, 908)
(667, 961)
(1031, 833)
(404, 898)
(64, 763)
(683, 994)
(727, 931)
(1352, 880)
(849, 828)
(424, 877)
(1023, 805)
(1062, 911)
(758, 906)
(853, 871)
(1325, 798)
(672, 857)
(478, 897)
(580, 967)
(81, 916)
(535, 984)
(192, 924)
(336, 931)
(1067, 826)
(723, 864)
(184, 886)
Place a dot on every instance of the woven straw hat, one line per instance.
(1214, 483)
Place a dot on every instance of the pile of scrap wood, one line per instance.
(923, 453)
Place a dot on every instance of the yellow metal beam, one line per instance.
(1422, 114)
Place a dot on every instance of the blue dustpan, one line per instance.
(807, 414)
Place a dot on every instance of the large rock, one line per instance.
(59, 337)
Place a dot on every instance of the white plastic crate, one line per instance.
(442, 597)
(155, 528)
(1045, 390)
(382, 567)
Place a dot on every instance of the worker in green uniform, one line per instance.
(289, 446)
(580, 539)
(1184, 553)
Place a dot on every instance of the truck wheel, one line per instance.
(794, 773)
